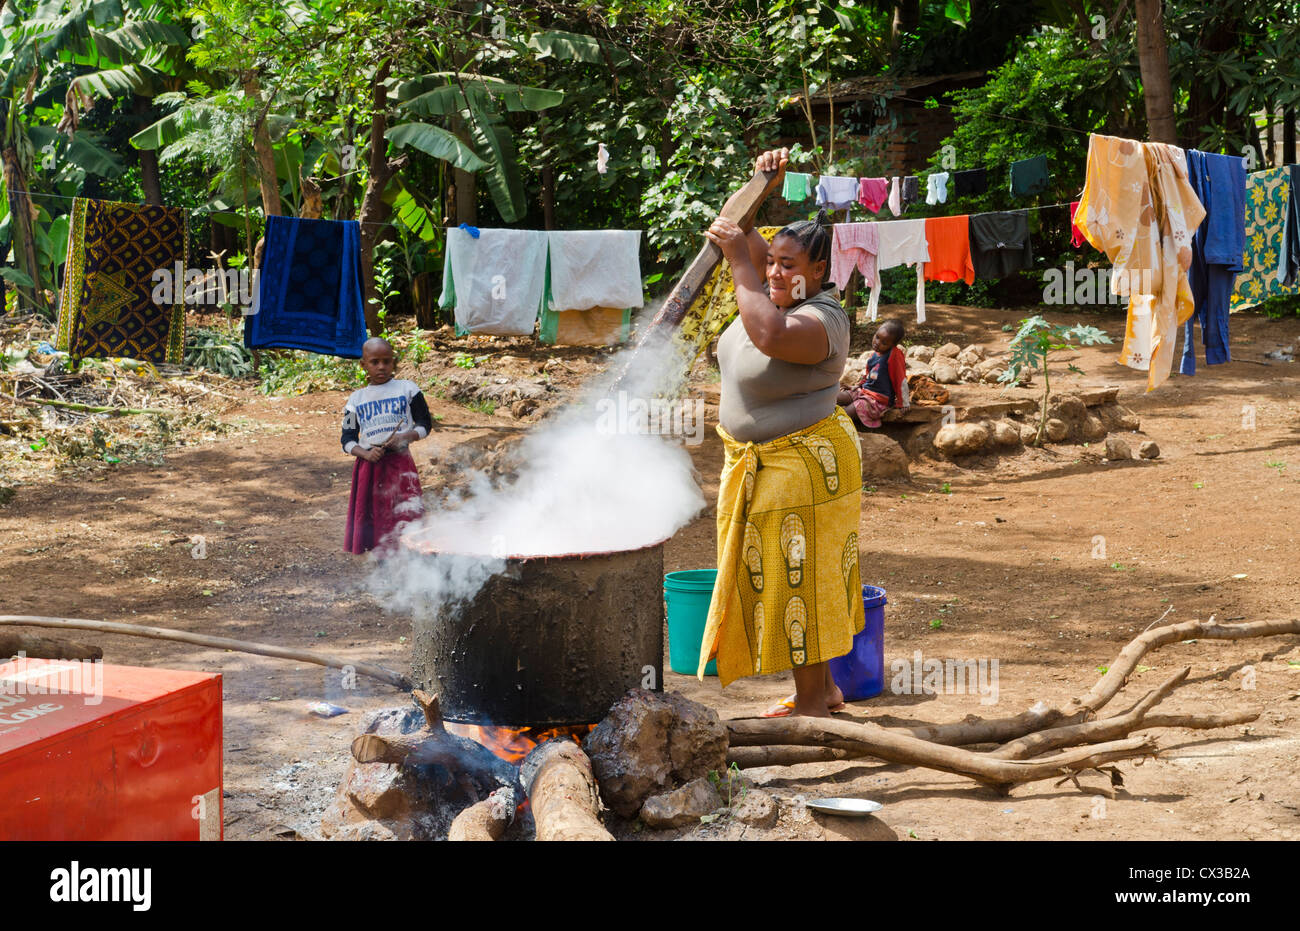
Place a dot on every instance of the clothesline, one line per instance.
(684, 229)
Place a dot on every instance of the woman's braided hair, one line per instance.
(813, 237)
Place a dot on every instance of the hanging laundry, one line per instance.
(873, 192)
(948, 240)
(901, 242)
(589, 269)
(911, 190)
(1000, 244)
(854, 245)
(496, 281)
(309, 288)
(602, 158)
(936, 188)
(969, 183)
(1289, 267)
(836, 192)
(896, 197)
(1217, 247)
(709, 316)
(1029, 176)
(1267, 202)
(107, 305)
(796, 187)
(1077, 239)
(1138, 208)
(593, 268)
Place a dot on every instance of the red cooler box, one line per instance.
(90, 751)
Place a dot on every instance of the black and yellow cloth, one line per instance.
(788, 591)
(716, 307)
(107, 306)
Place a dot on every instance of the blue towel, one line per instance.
(309, 290)
(1217, 247)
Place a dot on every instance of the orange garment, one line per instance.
(949, 242)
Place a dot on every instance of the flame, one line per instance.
(513, 743)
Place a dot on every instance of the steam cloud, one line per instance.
(580, 488)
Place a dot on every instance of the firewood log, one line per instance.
(34, 647)
(485, 820)
(219, 643)
(562, 791)
(974, 730)
(903, 748)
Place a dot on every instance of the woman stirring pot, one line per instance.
(788, 594)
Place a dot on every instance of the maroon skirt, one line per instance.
(385, 494)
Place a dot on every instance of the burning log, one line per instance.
(485, 820)
(562, 790)
(467, 760)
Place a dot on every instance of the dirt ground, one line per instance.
(1001, 567)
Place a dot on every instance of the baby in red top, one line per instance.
(884, 385)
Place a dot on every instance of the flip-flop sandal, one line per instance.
(782, 709)
(785, 708)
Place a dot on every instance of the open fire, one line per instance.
(513, 743)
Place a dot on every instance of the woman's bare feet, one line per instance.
(816, 694)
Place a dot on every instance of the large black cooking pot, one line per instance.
(552, 640)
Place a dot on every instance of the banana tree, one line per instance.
(475, 104)
(38, 41)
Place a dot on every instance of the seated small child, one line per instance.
(884, 385)
(379, 422)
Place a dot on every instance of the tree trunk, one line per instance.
(907, 16)
(1206, 107)
(1153, 60)
(150, 182)
(548, 197)
(374, 212)
(344, 208)
(21, 233)
(266, 178)
(1288, 136)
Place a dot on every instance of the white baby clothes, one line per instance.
(836, 192)
(936, 188)
(902, 242)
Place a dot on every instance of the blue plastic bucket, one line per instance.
(860, 673)
(687, 595)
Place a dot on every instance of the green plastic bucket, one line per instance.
(687, 595)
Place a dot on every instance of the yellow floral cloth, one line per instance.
(1267, 195)
(788, 591)
(716, 307)
(1138, 207)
